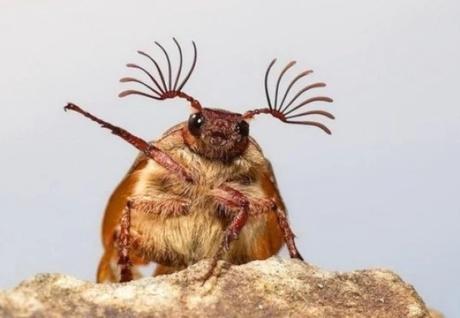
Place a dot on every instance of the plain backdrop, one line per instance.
(382, 191)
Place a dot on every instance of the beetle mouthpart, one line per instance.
(218, 139)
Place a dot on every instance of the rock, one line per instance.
(270, 288)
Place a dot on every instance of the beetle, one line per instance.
(204, 189)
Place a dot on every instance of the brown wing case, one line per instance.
(111, 221)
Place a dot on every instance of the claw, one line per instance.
(229, 237)
(210, 271)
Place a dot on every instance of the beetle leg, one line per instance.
(149, 150)
(287, 233)
(124, 239)
(128, 240)
(233, 199)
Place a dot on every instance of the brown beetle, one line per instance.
(203, 190)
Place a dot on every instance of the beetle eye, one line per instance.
(243, 128)
(195, 122)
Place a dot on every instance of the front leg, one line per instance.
(230, 199)
(149, 150)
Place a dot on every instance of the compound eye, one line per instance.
(243, 128)
(195, 122)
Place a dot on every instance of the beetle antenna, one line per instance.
(286, 68)
(131, 79)
(191, 68)
(287, 113)
(134, 92)
(180, 63)
(166, 89)
(131, 65)
(169, 63)
(267, 72)
(304, 73)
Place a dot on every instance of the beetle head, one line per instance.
(217, 134)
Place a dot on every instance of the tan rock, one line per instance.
(270, 288)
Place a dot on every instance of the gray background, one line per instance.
(381, 191)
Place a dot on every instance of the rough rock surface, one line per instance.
(270, 288)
